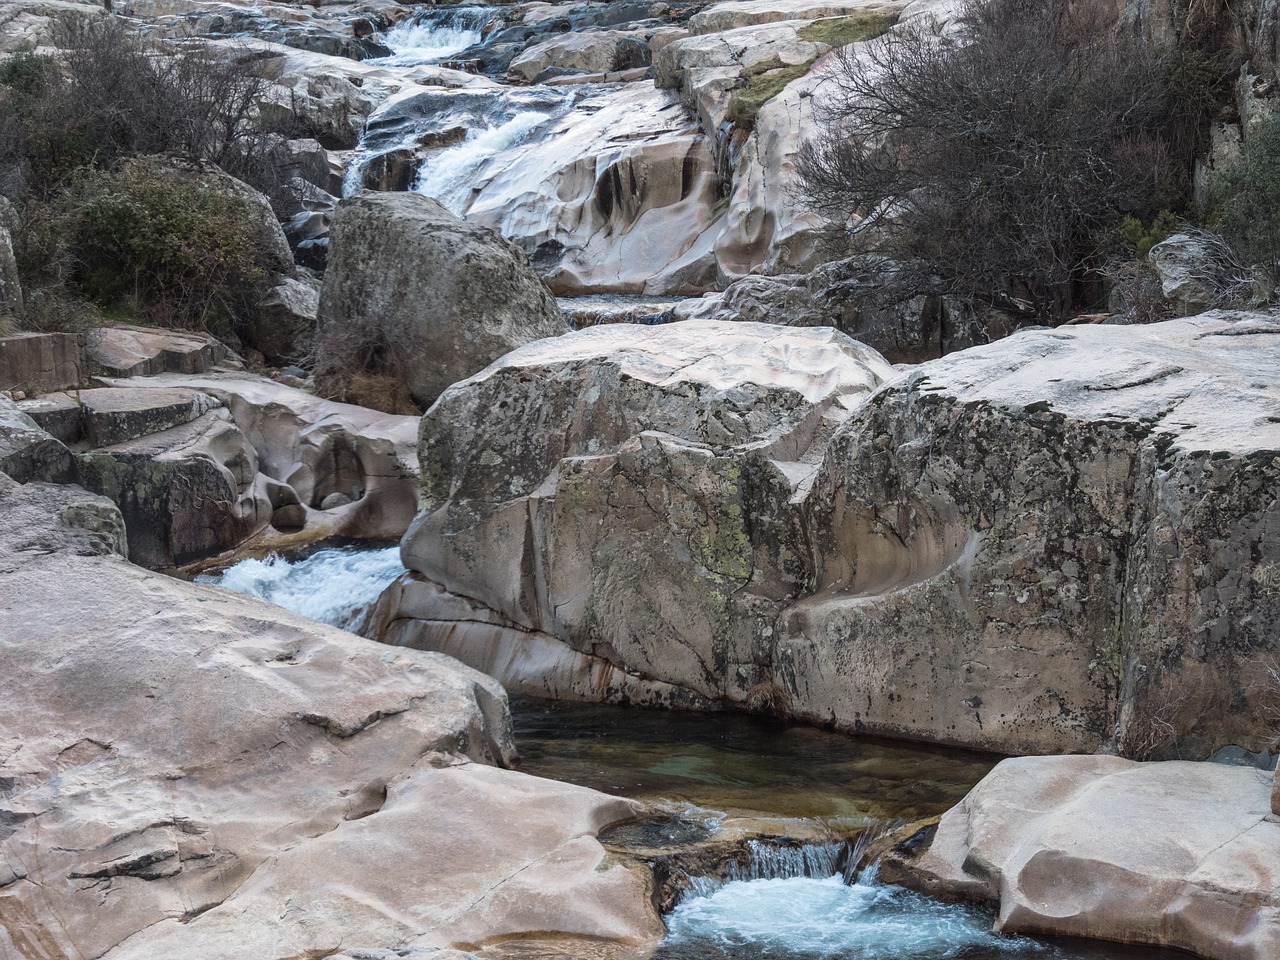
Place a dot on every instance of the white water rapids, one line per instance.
(335, 586)
(796, 903)
(435, 35)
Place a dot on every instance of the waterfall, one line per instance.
(454, 173)
(334, 586)
(435, 35)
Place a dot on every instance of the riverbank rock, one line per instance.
(1172, 854)
(133, 351)
(849, 295)
(202, 464)
(1060, 541)
(479, 300)
(27, 452)
(628, 492)
(191, 772)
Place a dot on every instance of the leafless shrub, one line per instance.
(997, 160)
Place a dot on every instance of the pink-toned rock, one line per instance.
(1173, 854)
(186, 772)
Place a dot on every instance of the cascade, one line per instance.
(334, 586)
(434, 35)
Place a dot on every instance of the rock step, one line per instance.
(36, 362)
(113, 416)
(130, 351)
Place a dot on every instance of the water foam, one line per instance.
(816, 918)
(334, 586)
(434, 36)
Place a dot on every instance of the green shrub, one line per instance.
(1242, 200)
(1137, 238)
(136, 243)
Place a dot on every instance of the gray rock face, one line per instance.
(627, 491)
(1170, 854)
(41, 361)
(27, 452)
(189, 772)
(133, 351)
(849, 295)
(285, 320)
(1060, 541)
(1193, 274)
(445, 297)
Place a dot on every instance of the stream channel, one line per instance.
(702, 771)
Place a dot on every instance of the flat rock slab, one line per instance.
(131, 351)
(191, 772)
(118, 415)
(1172, 854)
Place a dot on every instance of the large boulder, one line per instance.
(1060, 541)
(1055, 542)
(1172, 854)
(626, 492)
(190, 772)
(439, 297)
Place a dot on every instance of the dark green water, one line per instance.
(748, 766)
(741, 765)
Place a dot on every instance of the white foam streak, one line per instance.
(334, 586)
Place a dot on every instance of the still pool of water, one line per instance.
(740, 765)
(751, 766)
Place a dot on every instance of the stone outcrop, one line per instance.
(201, 464)
(27, 452)
(477, 300)
(38, 362)
(849, 295)
(1172, 854)
(284, 321)
(188, 772)
(1059, 541)
(133, 351)
(625, 493)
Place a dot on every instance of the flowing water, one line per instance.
(435, 35)
(786, 902)
(334, 585)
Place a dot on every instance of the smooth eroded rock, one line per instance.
(191, 772)
(628, 491)
(1173, 854)
(27, 452)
